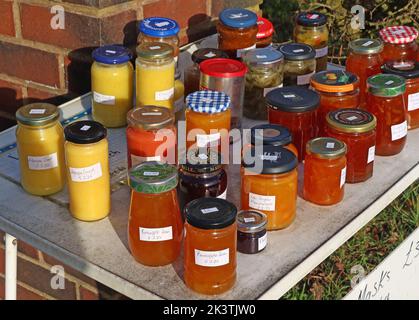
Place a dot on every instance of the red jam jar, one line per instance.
(265, 32)
(399, 43)
(252, 236)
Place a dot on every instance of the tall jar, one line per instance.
(40, 146)
(265, 33)
(399, 43)
(112, 85)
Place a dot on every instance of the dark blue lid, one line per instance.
(293, 99)
(270, 134)
(159, 27)
(112, 54)
(297, 51)
(238, 18)
(311, 19)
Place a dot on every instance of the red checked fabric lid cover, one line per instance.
(398, 34)
(265, 28)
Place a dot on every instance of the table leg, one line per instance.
(11, 266)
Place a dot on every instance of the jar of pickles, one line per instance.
(324, 171)
(251, 231)
(272, 135)
(40, 146)
(265, 32)
(311, 29)
(399, 43)
(265, 73)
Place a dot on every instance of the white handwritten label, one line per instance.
(352, 118)
(110, 51)
(298, 50)
(413, 101)
(162, 24)
(155, 47)
(371, 154)
(103, 98)
(151, 173)
(202, 140)
(398, 131)
(223, 195)
(342, 177)
(241, 52)
(135, 160)
(210, 54)
(304, 79)
(247, 220)
(261, 56)
(330, 145)
(151, 114)
(212, 258)
(37, 111)
(389, 82)
(289, 96)
(89, 173)
(321, 52)
(262, 242)
(260, 202)
(156, 234)
(267, 90)
(43, 162)
(209, 210)
(85, 128)
(164, 95)
(368, 43)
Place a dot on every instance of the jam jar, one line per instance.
(251, 231)
(237, 29)
(311, 29)
(300, 63)
(399, 43)
(324, 171)
(356, 128)
(295, 108)
(385, 101)
(210, 256)
(265, 32)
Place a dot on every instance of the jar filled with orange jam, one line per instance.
(324, 171)
(210, 245)
(399, 43)
(385, 101)
(154, 235)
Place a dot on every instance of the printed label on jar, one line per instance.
(43, 162)
(138, 159)
(164, 95)
(368, 43)
(262, 242)
(151, 173)
(86, 174)
(259, 202)
(330, 145)
(247, 220)
(413, 101)
(371, 154)
(342, 177)
(212, 258)
(156, 234)
(209, 210)
(321, 52)
(85, 128)
(37, 111)
(304, 79)
(202, 140)
(267, 90)
(398, 131)
(223, 195)
(103, 98)
(242, 51)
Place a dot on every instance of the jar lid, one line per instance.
(37, 114)
(386, 85)
(270, 134)
(326, 148)
(238, 18)
(207, 101)
(334, 81)
(153, 177)
(154, 50)
(265, 28)
(159, 27)
(262, 56)
(399, 34)
(293, 99)
(405, 69)
(366, 46)
(207, 53)
(311, 19)
(223, 68)
(210, 213)
(112, 54)
(351, 120)
(198, 161)
(150, 117)
(297, 51)
(251, 221)
(84, 132)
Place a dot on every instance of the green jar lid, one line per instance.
(386, 85)
(366, 46)
(153, 177)
(326, 148)
(37, 114)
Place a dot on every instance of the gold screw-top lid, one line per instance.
(351, 120)
(326, 148)
(37, 114)
(150, 117)
(155, 51)
(366, 46)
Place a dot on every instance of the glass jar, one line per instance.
(338, 89)
(364, 60)
(154, 235)
(265, 33)
(265, 73)
(151, 135)
(40, 146)
(112, 86)
(300, 63)
(87, 161)
(251, 231)
(295, 108)
(399, 43)
(210, 245)
(179, 98)
(155, 75)
(310, 28)
(356, 128)
(237, 29)
(385, 101)
(324, 171)
(269, 184)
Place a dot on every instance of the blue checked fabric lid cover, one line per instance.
(207, 101)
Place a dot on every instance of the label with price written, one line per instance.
(156, 234)
(212, 258)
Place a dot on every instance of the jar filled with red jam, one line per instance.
(251, 231)
(385, 101)
(265, 32)
(399, 43)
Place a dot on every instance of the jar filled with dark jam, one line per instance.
(251, 231)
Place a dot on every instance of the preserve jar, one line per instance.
(265, 33)
(385, 101)
(40, 147)
(324, 171)
(210, 245)
(154, 235)
(356, 128)
(87, 162)
(179, 98)
(265, 72)
(251, 231)
(269, 184)
(300, 63)
(151, 135)
(399, 43)
(237, 29)
(310, 28)
(155, 75)
(295, 108)
(112, 85)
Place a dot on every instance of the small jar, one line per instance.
(265, 33)
(356, 128)
(385, 101)
(237, 29)
(179, 98)
(265, 73)
(300, 63)
(311, 29)
(40, 146)
(112, 86)
(154, 235)
(210, 245)
(399, 43)
(87, 161)
(295, 108)
(251, 231)
(324, 171)
(155, 75)
(151, 135)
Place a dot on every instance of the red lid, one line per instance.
(398, 34)
(223, 68)
(265, 28)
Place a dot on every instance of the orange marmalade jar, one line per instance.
(399, 43)
(154, 235)
(324, 171)
(210, 245)
(385, 101)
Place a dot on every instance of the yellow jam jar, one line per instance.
(40, 145)
(86, 154)
(112, 85)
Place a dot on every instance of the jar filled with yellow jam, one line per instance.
(40, 145)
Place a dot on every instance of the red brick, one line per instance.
(27, 249)
(120, 28)
(86, 294)
(38, 95)
(7, 26)
(21, 292)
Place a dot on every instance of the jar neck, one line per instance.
(45, 126)
(105, 65)
(155, 62)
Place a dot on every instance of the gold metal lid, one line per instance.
(155, 51)
(37, 114)
(326, 148)
(366, 46)
(150, 117)
(351, 120)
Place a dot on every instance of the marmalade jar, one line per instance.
(251, 231)
(399, 43)
(265, 32)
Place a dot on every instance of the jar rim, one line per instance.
(37, 114)
(150, 117)
(351, 120)
(251, 221)
(335, 81)
(326, 148)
